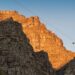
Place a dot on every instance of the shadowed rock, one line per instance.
(16, 54)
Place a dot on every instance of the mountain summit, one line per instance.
(41, 38)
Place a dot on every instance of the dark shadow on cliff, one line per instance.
(16, 54)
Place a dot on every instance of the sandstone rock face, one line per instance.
(16, 54)
(41, 38)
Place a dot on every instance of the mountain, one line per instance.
(16, 54)
(41, 39)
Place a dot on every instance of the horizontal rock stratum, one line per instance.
(41, 38)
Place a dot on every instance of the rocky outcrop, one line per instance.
(42, 39)
(16, 54)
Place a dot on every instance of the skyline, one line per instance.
(57, 15)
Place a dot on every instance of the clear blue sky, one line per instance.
(58, 15)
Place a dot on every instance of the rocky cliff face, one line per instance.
(41, 38)
(16, 54)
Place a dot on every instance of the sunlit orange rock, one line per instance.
(41, 38)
